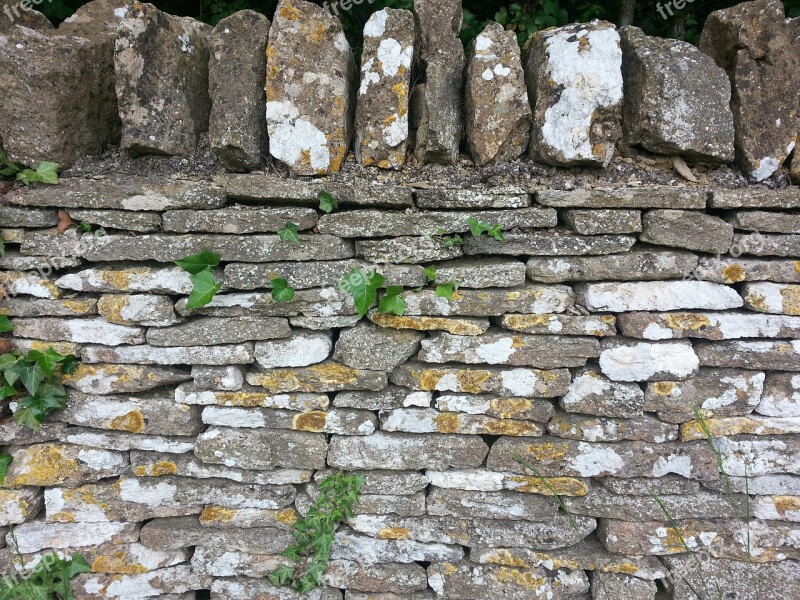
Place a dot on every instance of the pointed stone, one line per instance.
(121, 379)
(379, 349)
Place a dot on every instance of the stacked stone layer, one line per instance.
(193, 440)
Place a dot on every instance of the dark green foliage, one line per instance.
(204, 285)
(49, 579)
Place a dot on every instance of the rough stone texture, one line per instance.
(261, 449)
(594, 394)
(596, 222)
(17, 15)
(660, 296)
(239, 219)
(599, 326)
(677, 101)
(574, 76)
(165, 111)
(55, 464)
(759, 220)
(121, 379)
(637, 197)
(638, 264)
(491, 302)
(755, 197)
(81, 331)
(475, 197)
(382, 112)
(309, 127)
(208, 331)
(154, 355)
(498, 115)
(685, 229)
(710, 326)
(237, 127)
(781, 396)
(139, 309)
(549, 243)
(754, 43)
(758, 244)
(735, 270)
(772, 298)
(632, 360)
(777, 356)
(411, 420)
(375, 348)
(607, 586)
(438, 108)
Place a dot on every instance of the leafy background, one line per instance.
(523, 17)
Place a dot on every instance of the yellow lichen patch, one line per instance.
(60, 347)
(448, 569)
(693, 430)
(334, 373)
(516, 342)
(394, 533)
(512, 428)
(111, 307)
(525, 322)
(791, 300)
(290, 12)
(453, 326)
(757, 302)
(472, 382)
(383, 164)
(526, 580)
(311, 421)
(447, 422)
(548, 451)
(797, 266)
(44, 465)
(117, 562)
(63, 517)
(563, 486)
(216, 514)
(244, 399)
(509, 408)
(121, 280)
(504, 557)
(338, 155)
(548, 376)
(734, 273)
(389, 120)
(158, 469)
(428, 379)
(687, 321)
(316, 34)
(287, 516)
(673, 541)
(133, 422)
(664, 388)
(511, 296)
(624, 567)
(79, 307)
(786, 504)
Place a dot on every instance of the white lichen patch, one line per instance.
(644, 361)
(292, 137)
(592, 460)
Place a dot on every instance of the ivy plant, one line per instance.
(444, 290)
(5, 324)
(204, 285)
(2, 246)
(281, 290)
(450, 241)
(314, 534)
(5, 462)
(478, 228)
(48, 579)
(289, 233)
(327, 202)
(45, 172)
(392, 302)
(34, 383)
(363, 287)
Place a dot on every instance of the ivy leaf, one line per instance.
(392, 302)
(327, 202)
(204, 290)
(2, 246)
(476, 228)
(281, 290)
(363, 287)
(446, 290)
(48, 359)
(496, 232)
(430, 273)
(5, 461)
(27, 417)
(196, 263)
(288, 233)
(5, 324)
(282, 576)
(31, 375)
(46, 172)
(76, 566)
(453, 240)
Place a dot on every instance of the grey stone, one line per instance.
(321, 302)
(397, 483)
(165, 112)
(476, 197)
(17, 15)
(638, 197)
(183, 532)
(584, 99)
(237, 129)
(320, 378)
(251, 397)
(490, 505)
(137, 309)
(498, 115)
(483, 273)
(781, 396)
(55, 464)
(123, 441)
(598, 326)
(508, 407)
(185, 355)
(657, 296)
(382, 112)
(121, 379)
(775, 457)
(734, 270)
(12, 216)
(19, 505)
(452, 325)
(310, 127)
(491, 302)
(349, 545)
(224, 379)
(386, 399)
(592, 393)
(428, 420)
(677, 101)
(668, 485)
(343, 422)
(209, 331)
(238, 219)
(261, 449)
(324, 323)
(172, 581)
(687, 229)
(549, 243)
(769, 355)
(631, 360)
(761, 220)
(81, 331)
(299, 349)
(774, 244)
(119, 219)
(35, 536)
(755, 197)
(223, 562)
(606, 429)
(14, 261)
(774, 298)
(367, 346)
(710, 326)
(613, 586)
(438, 110)
(600, 221)
(406, 249)
(135, 279)
(393, 578)
(256, 589)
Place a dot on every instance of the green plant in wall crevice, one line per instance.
(204, 285)
(45, 172)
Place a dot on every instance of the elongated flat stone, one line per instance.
(772, 298)
(407, 249)
(493, 505)
(394, 578)
(238, 219)
(781, 396)
(771, 244)
(734, 270)
(490, 302)
(139, 309)
(752, 424)
(341, 421)
(755, 197)
(488, 481)
(261, 449)
(549, 243)
(596, 222)
(428, 420)
(182, 532)
(456, 326)
(13, 216)
(301, 349)
(607, 429)
(211, 331)
(496, 406)
(632, 360)
(118, 219)
(320, 302)
(243, 588)
(154, 355)
(14, 261)
(761, 220)
(81, 331)
(14, 307)
(530, 383)
(776, 457)
(172, 280)
(121, 379)
(169, 583)
(324, 377)
(657, 296)
(476, 197)
(123, 441)
(687, 229)
(38, 535)
(404, 451)
(776, 356)
(249, 397)
(638, 264)
(53, 464)
(368, 550)
(388, 398)
(709, 326)
(594, 394)
(224, 562)
(639, 197)
(483, 273)
(598, 326)
(16, 283)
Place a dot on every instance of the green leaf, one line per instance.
(85, 227)
(5, 461)
(204, 290)
(453, 240)
(46, 172)
(76, 566)
(476, 227)
(496, 232)
(28, 418)
(288, 233)
(2, 247)
(5, 324)
(31, 376)
(327, 202)
(363, 287)
(196, 263)
(392, 302)
(48, 359)
(281, 290)
(446, 290)
(430, 273)
(282, 576)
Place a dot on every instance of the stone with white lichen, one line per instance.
(309, 124)
(574, 76)
(382, 112)
(633, 360)
(484, 581)
(781, 396)
(657, 296)
(707, 325)
(774, 298)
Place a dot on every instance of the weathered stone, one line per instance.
(34, 536)
(667, 485)
(487, 481)
(777, 508)
(548, 243)
(762, 68)
(13, 216)
(715, 392)
(323, 377)
(309, 126)
(300, 349)
(57, 464)
(260, 589)
(677, 101)
(16, 283)
(14, 261)
(759, 485)
(367, 346)
(341, 421)
(262, 449)
(529, 383)
(16, 14)
(484, 273)
(687, 229)
(598, 326)
(18, 506)
(124, 441)
(467, 580)
(709, 326)
(322, 302)
(567, 458)
(553, 533)
(544, 352)
(755, 197)
(574, 76)
(605, 429)
(120, 379)
(775, 244)
(776, 356)
(406, 249)
(781, 396)
(81, 331)
(404, 451)
(393, 577)
(238, 219)
(734, 270)
(592, 393)
(154, 355)
(428, 420)
(165, 112)
(657, 296)
(123, 192)
(438, 109)
(64, 348)
(382, 132)
(250, 398)
(396, 483)
(772, 298)
(135, 279)
(213, 331)
(368, 550)
(451, 325)
(388, 398)
(474, 197)
(750, 456)
(613, 586)
(224, 379)
(638, 264)
(118, 219)
(752, 424)
(536, 299)
(596, 222)
(496, 406)
(324, 323)
(237, 128)
(492, 505)
(758, 220)
(631, 360)
(223, 562)
(161, 582)
(631, 197)
(128, 309)
(13, 434)
(305, 275)
(498, 115)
